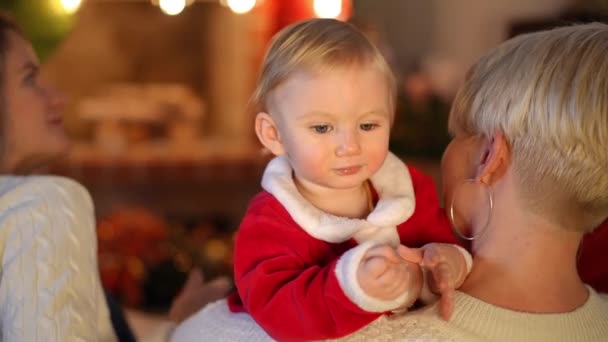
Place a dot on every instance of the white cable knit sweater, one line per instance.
(473, 320)
(49, 281)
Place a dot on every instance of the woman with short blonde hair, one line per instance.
(525, 176)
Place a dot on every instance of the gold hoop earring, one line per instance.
(453, 220)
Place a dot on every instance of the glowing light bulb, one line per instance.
(70, 6)
(240, 6)
(327, 8)
(172, 7)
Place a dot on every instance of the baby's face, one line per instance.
(334, 125)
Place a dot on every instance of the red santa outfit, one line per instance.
(295, 265)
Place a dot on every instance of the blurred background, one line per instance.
(158, 108)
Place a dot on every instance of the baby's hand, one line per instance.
(383, 274)
(446, 270)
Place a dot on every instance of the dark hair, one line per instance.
(7, 24)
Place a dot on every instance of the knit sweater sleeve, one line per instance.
(50, 288)
(287, 280)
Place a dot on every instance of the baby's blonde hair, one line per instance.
(317, 45)
(548, 93)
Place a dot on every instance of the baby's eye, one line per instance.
(321, 128)
(30, 79)
(368, 126)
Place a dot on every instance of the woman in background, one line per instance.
(50, 289)
(49, 286)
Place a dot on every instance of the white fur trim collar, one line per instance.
(396, 204)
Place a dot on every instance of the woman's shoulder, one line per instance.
(46, 200)
(599, 300)
(44, 211)
(413, 326)
(37, 183)
(20, 190)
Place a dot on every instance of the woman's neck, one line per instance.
(352, 202)
(526, 264)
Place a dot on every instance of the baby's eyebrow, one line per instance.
(313, 114)
(375, 112)
(326, 115)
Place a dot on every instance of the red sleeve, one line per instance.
(592, 264)
(286, 279)
(429, 222)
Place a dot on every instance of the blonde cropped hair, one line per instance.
(547, 92)
(317, 45)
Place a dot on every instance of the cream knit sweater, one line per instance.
(49, 280)
(473, 320)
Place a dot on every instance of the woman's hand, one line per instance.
(385, 275)
(196, 294)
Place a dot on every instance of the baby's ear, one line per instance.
(268, 133)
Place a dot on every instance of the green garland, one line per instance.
(44, 22)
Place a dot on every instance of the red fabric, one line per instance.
(286, 279)
(593, 260)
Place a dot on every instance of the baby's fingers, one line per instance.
(443, 284)
(447, 304)
(442, 277)
(410, 254)
(385, 252)
(375, 266)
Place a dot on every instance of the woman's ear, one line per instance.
(495, 159)
(268, 133)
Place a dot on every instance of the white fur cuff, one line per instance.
(396, 203)
(468, 259)
(346, 272)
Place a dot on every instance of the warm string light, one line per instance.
(241, 6)
(169, 7)
(70, 6)
(327, 8)
(172, 7)
(63, 7)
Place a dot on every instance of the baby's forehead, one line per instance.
(328, 73)
(322, 67)
(330, 83)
